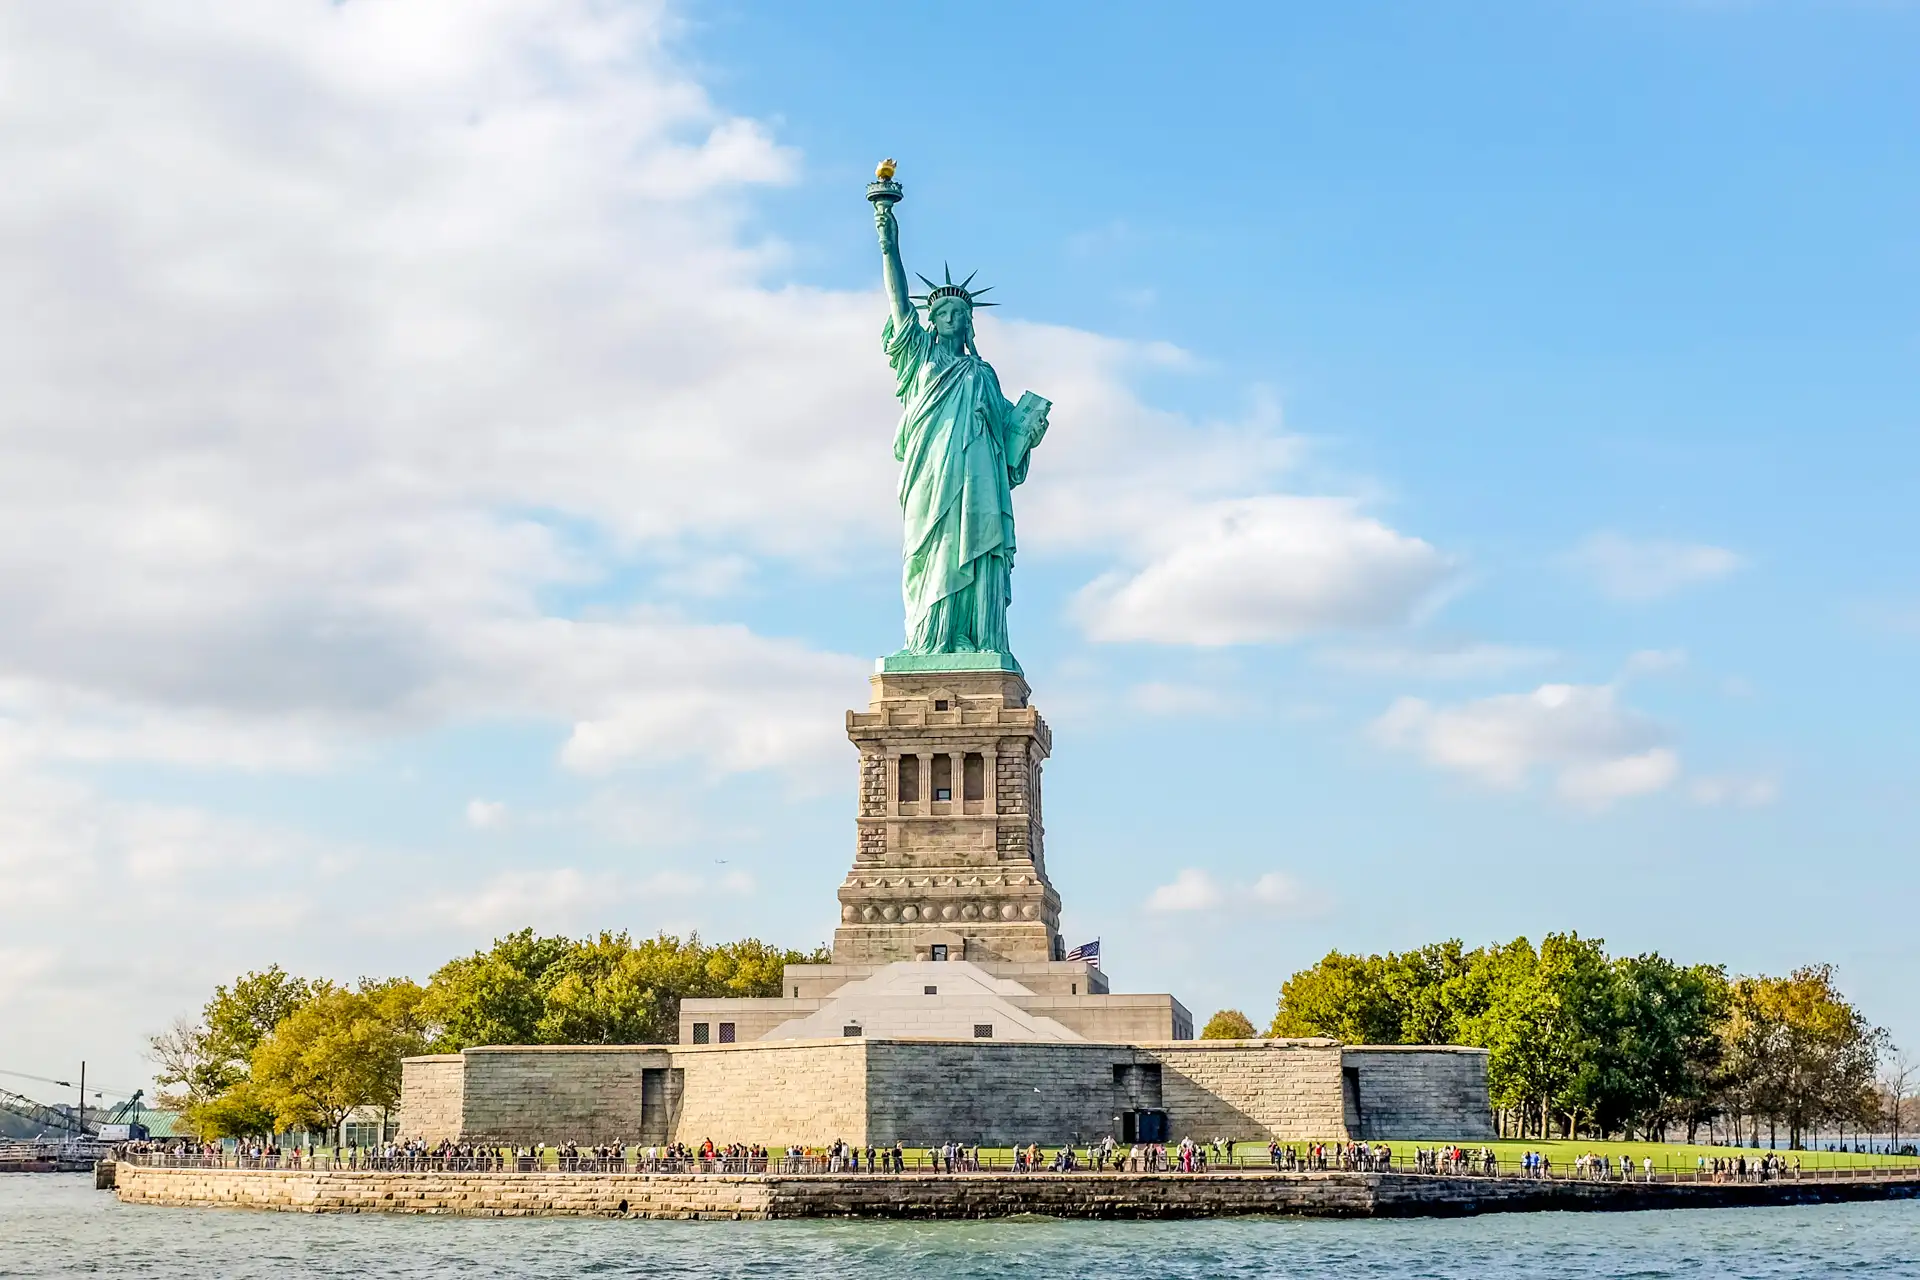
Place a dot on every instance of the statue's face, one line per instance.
(949, 318)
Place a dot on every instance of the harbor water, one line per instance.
(58, 1225)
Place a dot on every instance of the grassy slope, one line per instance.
(1674, 1156)
(1668, 1157)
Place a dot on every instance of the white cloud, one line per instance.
(97, 887)
(1169, 698)
(1601, 782)
(420, 317)
(550, 899)
(419, 313)
(1271, 568)
(1459, 662)
(1650, 662)
(559, 898)
(1282, 894)
(1192, 890)
(1734, 790)
(341, 341)
(1630, 570)
(486, 815)
(1600, 749)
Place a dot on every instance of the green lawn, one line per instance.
(1668, 1157)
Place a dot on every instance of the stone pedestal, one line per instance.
(949, 860)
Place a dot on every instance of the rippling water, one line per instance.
(58, 1225)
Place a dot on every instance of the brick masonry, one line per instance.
(713, 1196)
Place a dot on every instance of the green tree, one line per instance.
(607, 989)
(1425, 996)
(1228, 1024)
(494, 996)
(339, 1051)
(1437, 991)
(1544, 1021)
(1344, 997)
(238, 1019)
(204, 1067)
(1800, 1054)
(1659, 1057)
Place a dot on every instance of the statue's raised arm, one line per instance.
(892, 272)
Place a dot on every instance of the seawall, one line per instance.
(983, 1195)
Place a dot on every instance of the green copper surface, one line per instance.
(962, 448)
(974, 661)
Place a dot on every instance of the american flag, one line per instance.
(1089, 951)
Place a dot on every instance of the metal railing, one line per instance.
(1307, 1160)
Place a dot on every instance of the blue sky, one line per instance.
(448, 483)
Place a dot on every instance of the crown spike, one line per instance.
(947, 271)
(923, 280)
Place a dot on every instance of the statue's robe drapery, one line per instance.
(961, 452)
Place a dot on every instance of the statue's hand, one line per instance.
(884, 223)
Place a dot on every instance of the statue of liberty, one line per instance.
(962, 447)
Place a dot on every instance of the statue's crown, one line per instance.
(935, 292)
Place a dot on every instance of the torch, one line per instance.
(883, 190)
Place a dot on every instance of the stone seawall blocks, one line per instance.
(717, 1196)
(487, 1195)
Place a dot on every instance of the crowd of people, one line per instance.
(1188, 1156)
(1455, 1161)
(1768, 1168)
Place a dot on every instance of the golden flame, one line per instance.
(885, 170)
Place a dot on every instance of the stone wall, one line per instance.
(970, 863)
(490, 1195)
(555, 1093)
(1430, 1092)
(751, 1017)
(1287, 1089)
(1114, 1019)
(944, 1196)
(1078, 1195)
(996, 1095)
(776, 1092)
(432, 1091)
